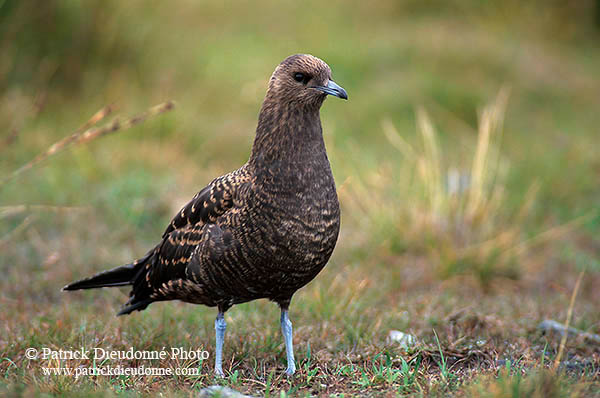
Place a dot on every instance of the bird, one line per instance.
(262, 231)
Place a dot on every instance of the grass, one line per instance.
(460, 219)
(466, 165)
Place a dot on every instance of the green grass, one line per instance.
(470, 275)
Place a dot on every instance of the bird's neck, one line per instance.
(287, 134)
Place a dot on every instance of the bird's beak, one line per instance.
(333, 89)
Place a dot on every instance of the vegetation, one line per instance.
(466, 162)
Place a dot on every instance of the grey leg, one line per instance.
(286, 329)
(220, 327)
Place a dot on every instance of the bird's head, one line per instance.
(304, 81)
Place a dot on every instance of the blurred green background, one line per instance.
(61, 61)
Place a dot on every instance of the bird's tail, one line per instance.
(130, 274)
(119, 276)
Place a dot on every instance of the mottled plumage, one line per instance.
(262, 231)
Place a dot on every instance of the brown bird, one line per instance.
(262, 231)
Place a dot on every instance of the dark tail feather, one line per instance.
(129, 274)
(119, 276)
(135, 305)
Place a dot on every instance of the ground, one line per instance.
(467, 169)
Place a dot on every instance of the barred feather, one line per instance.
(262, 231)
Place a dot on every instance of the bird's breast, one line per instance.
(305, 216)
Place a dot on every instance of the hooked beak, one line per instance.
(333, 89)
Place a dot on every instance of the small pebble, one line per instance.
(550, 325)
(221, 392)
(405, 340)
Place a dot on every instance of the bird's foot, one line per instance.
(219, 372)
(291, 369)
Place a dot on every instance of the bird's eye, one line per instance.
(301, 77)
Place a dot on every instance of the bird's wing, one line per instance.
(172, 257)
(189, 231)
(183, 258)
(159, 278)
(211, 202)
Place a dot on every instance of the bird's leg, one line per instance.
(220, 327)
(286, 329)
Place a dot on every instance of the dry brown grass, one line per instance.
(458, 218)
(88, 132)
